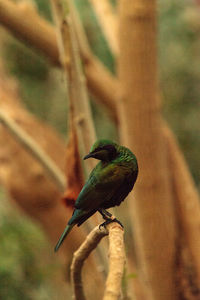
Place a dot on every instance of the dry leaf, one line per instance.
(74, 173)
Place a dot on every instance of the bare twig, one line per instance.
(30, 145)
(86, 125)
(78, 96)
(97, 75)
(116, 261)
(80, 256)
(108, 21)
(80, 32)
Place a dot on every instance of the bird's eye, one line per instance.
(98, 149)
(109, 148)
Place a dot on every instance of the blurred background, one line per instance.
(28, 267)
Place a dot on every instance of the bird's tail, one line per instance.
(68, 228)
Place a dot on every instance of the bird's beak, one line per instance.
(95, 154)
(88, 155)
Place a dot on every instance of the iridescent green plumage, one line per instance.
(108, 184)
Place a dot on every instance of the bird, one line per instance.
(108, 184)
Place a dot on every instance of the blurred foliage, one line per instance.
(179, 44)
(44, 8)
(41, 85)
(23, 247)
(26, 270)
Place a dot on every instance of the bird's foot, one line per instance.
(105, 214)
(108, 221)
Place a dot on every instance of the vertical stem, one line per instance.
(77, 90)
(75, 80)
(85, 123)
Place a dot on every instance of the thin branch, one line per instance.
(86, 125)
(36, 151)
(116, 261)
(103, 86)
(78, 96)
(97, 75)
(108, 21)
(80, 256)
(80, 32)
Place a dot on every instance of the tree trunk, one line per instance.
(140, 122)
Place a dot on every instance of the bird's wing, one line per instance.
(122, 191)
(101, 187)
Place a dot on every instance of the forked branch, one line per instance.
(79, 257)
(40, 34)
(116, 261)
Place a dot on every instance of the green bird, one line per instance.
(108, 184)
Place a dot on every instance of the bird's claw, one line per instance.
(117, 221)
(108, 221)
(102, 225)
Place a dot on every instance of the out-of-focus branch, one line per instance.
(77, 91)
(108, 21)
(116, 261)
(40, 34)
(188, 204)
(83, 111)
(36, 151)
(80, 32)
(103, 86)
(97, 75)
(80, 256)
(29, 27)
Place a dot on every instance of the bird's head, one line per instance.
(104, 150)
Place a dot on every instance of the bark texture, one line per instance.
(116, 262)
(139, 112)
